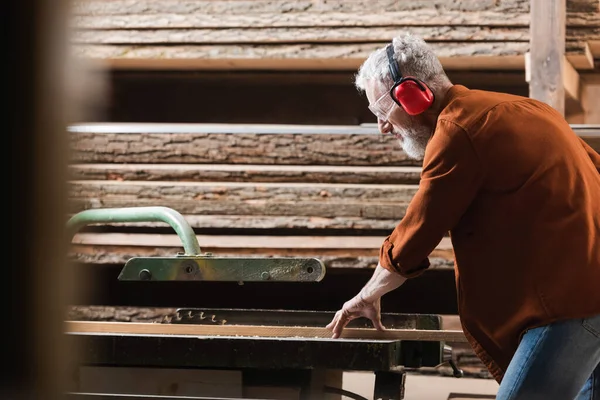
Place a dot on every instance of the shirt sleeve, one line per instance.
(451, 177)
(592, 153)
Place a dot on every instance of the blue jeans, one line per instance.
(559, 361)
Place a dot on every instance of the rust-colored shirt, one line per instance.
(519, 193)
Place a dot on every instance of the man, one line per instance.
(519, 193)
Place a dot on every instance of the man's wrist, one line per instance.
(382, 282)
(367, 295)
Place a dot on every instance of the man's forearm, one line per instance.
(382, 282)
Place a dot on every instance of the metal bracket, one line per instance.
(193, 265)
(210, 268)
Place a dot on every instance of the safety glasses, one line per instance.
(383, 107)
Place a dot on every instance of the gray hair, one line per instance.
(415, 58)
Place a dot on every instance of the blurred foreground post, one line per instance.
(35, 279)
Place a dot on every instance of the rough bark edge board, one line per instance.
(453, 56)
(296, 51)
(200, 147)
(400, 20)
(135, 328)
(125, 7)
(246, 173)
(238, 148)
(263, 194)
(257, 223)
(365, 209)
(330, 22)
(342, 35)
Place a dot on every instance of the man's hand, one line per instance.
(355, 308)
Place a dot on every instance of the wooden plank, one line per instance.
(256, 223)
(246, 173)
(590, 95)
(286, 35)
(273, 199)
(343, 35)
(244, 7)
(426, 17)
(249, 192)
(249, 7)
(239, 144)
(296, 332)
(406, 19)
(572, 86)
(370, 210)
(587, 6)
(582, 20)
(356, 52)
(450, 63)
(309, 57)
(238, 148)
(547, 54)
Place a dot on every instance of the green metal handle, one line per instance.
(139, 214)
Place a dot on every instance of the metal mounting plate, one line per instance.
(211, 268)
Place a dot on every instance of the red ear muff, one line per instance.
(408, 92)
(412, 95)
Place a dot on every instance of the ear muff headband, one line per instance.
(408, 92)
(393, 66)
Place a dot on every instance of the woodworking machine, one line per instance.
(279, 357)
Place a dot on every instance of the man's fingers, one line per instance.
(341, 323)
(336, 317)
(330, 325)
(377, 324)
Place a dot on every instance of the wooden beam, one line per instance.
(140, 328)
(257, 223)
(298, 57)
(236, 144)
(285, 35)
(591, 93)
(406, 18)
(572, 85)
(247, 173)
(235, 198)
(547, 52)
(290, 7)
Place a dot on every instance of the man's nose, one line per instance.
(384, 126)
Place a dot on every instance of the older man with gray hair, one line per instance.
(519, 193)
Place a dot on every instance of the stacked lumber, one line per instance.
(321, 35)
(318, 191)
(331, 192)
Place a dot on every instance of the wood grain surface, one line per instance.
(136, 328)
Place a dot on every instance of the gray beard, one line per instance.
(413, 142)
